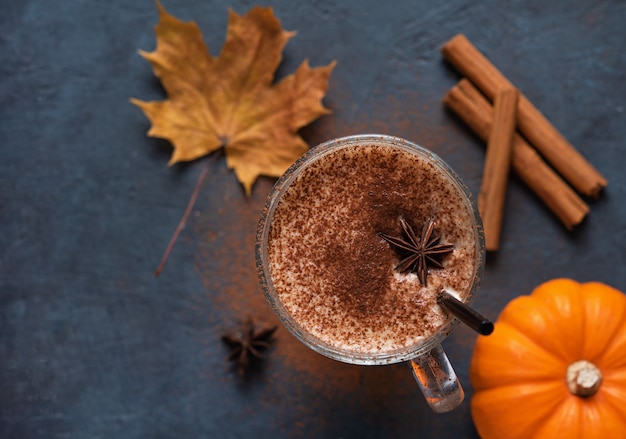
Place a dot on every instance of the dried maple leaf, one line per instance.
(230, 101)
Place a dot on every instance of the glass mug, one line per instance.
(429, 363)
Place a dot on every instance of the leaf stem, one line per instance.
(185, 217)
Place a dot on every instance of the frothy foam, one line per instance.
(333, 272)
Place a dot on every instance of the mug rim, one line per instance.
(262, 256)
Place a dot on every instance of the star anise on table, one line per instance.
(248, 343)
(419, 253)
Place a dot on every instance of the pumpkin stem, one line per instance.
(583, 378)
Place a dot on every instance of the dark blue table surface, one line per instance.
(92, 345)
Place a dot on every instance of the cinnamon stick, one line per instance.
(497, 163)
(465, 100)
(460, 52)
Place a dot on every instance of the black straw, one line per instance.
(464, 313)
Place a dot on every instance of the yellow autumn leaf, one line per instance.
(231, 101)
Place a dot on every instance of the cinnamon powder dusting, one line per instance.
(304, 380)
(333, 271)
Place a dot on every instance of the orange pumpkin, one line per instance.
(555, 365)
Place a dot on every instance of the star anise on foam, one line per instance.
(418, 254)
(248, 343)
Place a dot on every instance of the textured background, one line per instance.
(92, 345)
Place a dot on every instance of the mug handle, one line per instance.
(437, 380)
